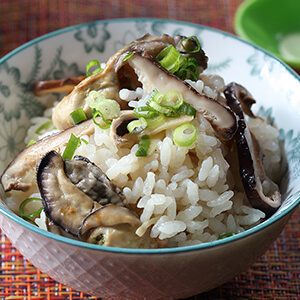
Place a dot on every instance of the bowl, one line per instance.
(167, 273)
(273, 25)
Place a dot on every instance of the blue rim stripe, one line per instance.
(62, 239)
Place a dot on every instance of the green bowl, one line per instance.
(273, 25)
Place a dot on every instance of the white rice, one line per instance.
(183, 199)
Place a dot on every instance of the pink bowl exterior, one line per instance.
(140, 276)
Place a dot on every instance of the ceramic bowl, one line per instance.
(273, 25)
(158, 273)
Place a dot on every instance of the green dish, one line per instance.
(273, 25)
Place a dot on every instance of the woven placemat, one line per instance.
(276, 275)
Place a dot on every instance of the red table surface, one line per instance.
(275, 275)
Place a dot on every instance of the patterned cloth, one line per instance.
(276, 275)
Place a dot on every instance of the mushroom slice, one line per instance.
(107, 81)
(152, 76)
(65, 85)
(113, 226)
(64, 203)
(89, 178)
(243, 96)
(118, 130)
(250, 161)
(28, 158)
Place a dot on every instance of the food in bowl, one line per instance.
(147, 152)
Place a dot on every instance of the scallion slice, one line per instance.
(32, 214)
(110, 109)
(173, 99)
(31, 142)
(197, 42)
(185, 135)
(43, 126)
(146, 112)
(144, 145)
(155, 121)
(92, 64)
(94, 98)
(95, 114)
(78, 116)
(137, 126)
(71, 147)
(226, 235)
(169, 58)
(127, 56)
(187, 109)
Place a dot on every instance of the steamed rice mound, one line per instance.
(187, 195)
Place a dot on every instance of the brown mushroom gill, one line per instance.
(250, 159)
(70, 206)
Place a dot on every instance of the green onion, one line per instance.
(169, 58)
(197, 42)
(110, 109)
(173, 99)
(153, 122)
(137, 126)
(185, 135)
(225, 235)
(43, 126)
(187, 109)
(71, 147)
(30, 215)
(96, 113)
(92, 64)
(144, 145)
(94, 98)
(78, 116)
(31, 142)
(145, 112)
(127, 56)
(158, 107)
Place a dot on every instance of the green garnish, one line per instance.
(78, 116)
(144, 145)
(28, 216)
(92, 64)
(185, 135)
(43, 126)
(226, 235)
(71, 147)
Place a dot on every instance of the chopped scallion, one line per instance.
(93, 64)
(110, 109)
(145, 112)
(43, 126)
(197, 42)
(225, 235)
(95, 114)
(137, 126)
(31, 142)
(185, 135)
(127, 56)
(169, 58)
(78, 116)
(144, 145)
(71, 147)
(32, 214)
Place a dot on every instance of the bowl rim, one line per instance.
(273, 219)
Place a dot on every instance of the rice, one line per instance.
(186, 195)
